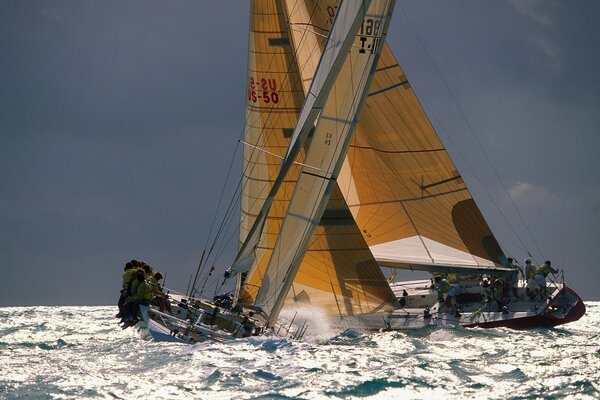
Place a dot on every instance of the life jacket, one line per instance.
(143, 292)
(444, 286)
(530, 271)
(127, 277)
(545, 269)
(132, 287)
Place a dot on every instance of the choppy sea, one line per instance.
(81, 352)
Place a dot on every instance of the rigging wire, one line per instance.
(200, 264)
(472, 132)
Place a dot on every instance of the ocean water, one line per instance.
(81, 352)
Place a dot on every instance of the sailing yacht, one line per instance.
(343, 174)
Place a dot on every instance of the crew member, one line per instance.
(451, 290)
(500, 294)
(513, 277)
(128, 271)
(541, 274)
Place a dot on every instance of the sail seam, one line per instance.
(340, 120)
(311, 221)
(404, 82)
(395, 151)
(387, 67)
(373, 203)
(318, 176)
(441, 182)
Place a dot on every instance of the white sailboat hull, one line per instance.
(563, 305)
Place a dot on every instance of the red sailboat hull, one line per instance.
(564, 307)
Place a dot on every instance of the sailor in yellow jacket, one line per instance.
(451, 291)
(128, 272)
(141, 294)
(541, 274)
(530, 271)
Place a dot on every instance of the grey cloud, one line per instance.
(539, 11)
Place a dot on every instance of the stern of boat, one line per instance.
(564, 307)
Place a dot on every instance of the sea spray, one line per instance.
(314, 322)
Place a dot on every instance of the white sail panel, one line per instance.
(422, 250)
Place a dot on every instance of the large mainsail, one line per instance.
(350, 16)
(275, 97)
(361, 286)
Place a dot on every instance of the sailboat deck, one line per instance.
(419, 294)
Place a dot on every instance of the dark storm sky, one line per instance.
(118, 121)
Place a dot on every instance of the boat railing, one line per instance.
(291, 330)
(557, 279)
(561, 275)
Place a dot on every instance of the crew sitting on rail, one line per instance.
(451, 291)
(161, 300)
(128, 272)
(142, 295)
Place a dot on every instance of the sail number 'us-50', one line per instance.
(264, 89)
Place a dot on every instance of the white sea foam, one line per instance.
(80, 352)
